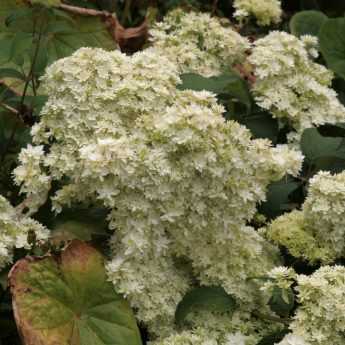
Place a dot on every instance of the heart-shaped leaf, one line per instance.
(332, 44)
(278, 197)
(307, 23)
(324, 153)
(68, 301)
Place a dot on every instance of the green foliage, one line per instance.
(282, 301)
(328, 130)
(204, 298)
(273, 338)
(81, 224)
(228, 85)
(323, 153)
(307, 23)
(332, 44)
(260, 122)
(48, 3)
(278, 197)
(69, 300)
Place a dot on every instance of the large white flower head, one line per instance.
(266, 12)
(14, 231)
(317, 232)
(198, 43)
(291, 85)
(180, 181)
(320, 318)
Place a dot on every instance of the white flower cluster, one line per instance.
(181, 183)
(320, 318)
(266, 12)
(36, 181)
(198, 43)
(290, 85)
(224, 329)
(14, 231)
(202, 337)
(317, 232)
(281, 277)
(293, 339)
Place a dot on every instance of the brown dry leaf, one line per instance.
(130, 40)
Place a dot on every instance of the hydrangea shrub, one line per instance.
(180, 181)
(182, 186)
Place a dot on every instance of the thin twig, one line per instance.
(9, 108)
(9, 142)
(214, 7)
(2, 82)
(84, 11)
(127, 11)
(31, 68)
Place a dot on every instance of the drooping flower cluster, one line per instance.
(317, 232)
(14, 231)
(181, 183)
(198, 43)
(36, 181)
(290, 85)
(266, 12)
(320, 318)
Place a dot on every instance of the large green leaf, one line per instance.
(211, 298)
(278, 197)
(229, 84)
(81, 224)
(62, 33)
(332, 44)
(273, 338)
(307, 23)
(260, 123)
(282, 301)
(323, 153)
(68, 301)
(86, 32)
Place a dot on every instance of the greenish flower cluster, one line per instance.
(198, 43)
(316, 233)
(266, 12)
